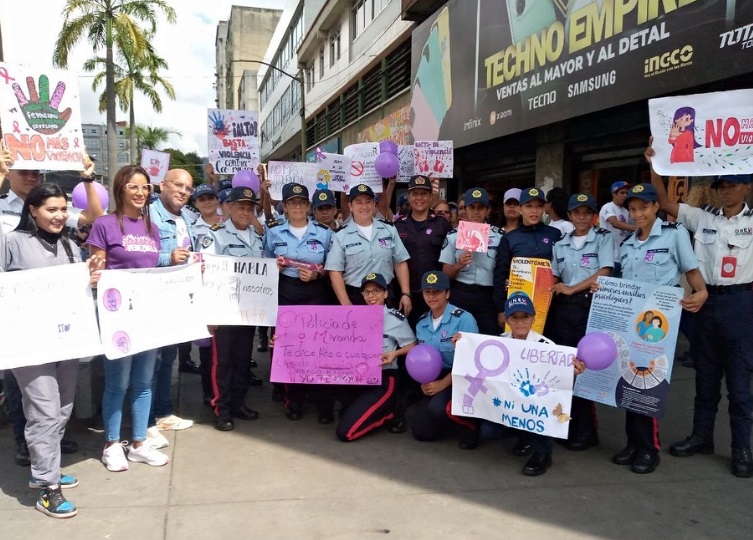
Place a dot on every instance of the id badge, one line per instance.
(729, 264)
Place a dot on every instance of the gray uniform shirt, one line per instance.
(21, 251)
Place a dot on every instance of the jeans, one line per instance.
(136, 371)
(162, 404)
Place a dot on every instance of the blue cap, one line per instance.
(291, 191)
(361, 189)
(203, 189)
(224, 195)
(618, 185)
(530, 194)
(732, 179)
(402, 199)
(476, 195)
(644, 192)
(435, 280)
(323, 197)
(225, 183)
(581, 199)
(374, 278)
(240, 194)
(519, 302)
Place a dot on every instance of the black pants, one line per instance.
(642, 432)
(477, 300)
(433, 418)
(365, 408)
(205, 370)
(232, 350)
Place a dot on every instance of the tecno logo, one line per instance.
(668, 60)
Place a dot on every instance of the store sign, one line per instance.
(495, 68)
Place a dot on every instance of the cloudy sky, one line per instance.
(187, 46)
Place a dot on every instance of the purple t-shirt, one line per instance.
(130, 248)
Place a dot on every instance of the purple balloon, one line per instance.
(387, 165)
(246, 178)
(597, 350)
(78, 196)
(424, 363)
(387, 147)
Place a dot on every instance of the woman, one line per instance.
(442, 208)
(437, 328)
(644, 325)
(300, 246)
(654, 332)
(48, 389)
(556, 209)
(127, 239)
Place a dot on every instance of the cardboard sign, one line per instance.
(534, 277)
(233, 140)
(473, 237)
(407, 164)
(156, 164)
(280, 173)
(434, 158)
(362, 170)
(334, 171)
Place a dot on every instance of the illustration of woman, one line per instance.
(645, 324)
(654, 333)
(682, 136)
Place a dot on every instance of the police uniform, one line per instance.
(722, 342)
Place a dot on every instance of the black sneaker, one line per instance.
(22, 455)
(53, 503)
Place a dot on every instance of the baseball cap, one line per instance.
(402, 199)
(435, 280)
(530, 194)
(644, 192)
(203, 189)
(225, 183)
(361, 189)
(581, 199)
(323, 197)
(239, 194)
(374, 278)
(732, 179)
(618, 185)
(476, 195)
(292, 191)
(519, 302)
(419, 181)
(513, 193)
(224, 195)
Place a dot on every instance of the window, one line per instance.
(334, 48)
(310, 77)
(364, 12)
(123, 157)
(321, 63)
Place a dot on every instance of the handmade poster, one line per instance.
(362, 171)
(534, 277)
(148, 308)
(233, 140)
(328, 345)
(240, 291)
(280, 173)
(407, 167)
(703, 134)
(521, 384)
(433, 158)
(334, 171)
(62, 329)
(41, 126)
(473, 237)
(156, 164)
(643, 319)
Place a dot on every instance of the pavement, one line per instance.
(277, 479)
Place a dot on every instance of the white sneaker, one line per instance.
(114, 458)
(147, 454)
(173, 422)
(156, 439)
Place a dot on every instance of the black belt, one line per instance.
(465, 286)
(297, 281)
(729, 289)
(583, 296)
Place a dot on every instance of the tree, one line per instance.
(191, 162)
(105, 23)
(133, 72)
(151, 137)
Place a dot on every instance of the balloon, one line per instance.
(424, 363)
(597, 350)
(246, 179)
(387, 147)
(387, 165)
(78, 196)
(203, 342)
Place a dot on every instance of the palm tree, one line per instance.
(133, 73)
(105, 23)
(151, 137)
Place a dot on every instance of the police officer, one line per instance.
(324, 208)
(205, 199)
(473, 273)
(658, 252)
(363, 246)
(237, 237)
(300, 246)
(579, 259)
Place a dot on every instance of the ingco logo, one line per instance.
(668, 61)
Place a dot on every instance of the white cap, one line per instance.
(513, 193)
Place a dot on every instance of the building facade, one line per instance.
(95, 142)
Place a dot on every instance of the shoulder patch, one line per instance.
(669, 225)
(5, 196)
(424, 315)
(386, 222)
(216, 227)
(749, 213)
(458, 312)
(455, 230)
(340, 228)
(628, 237)
(710, 209)
(602, 231)
(322, 225)
(397, 314)
(273, 223)
(542, 340)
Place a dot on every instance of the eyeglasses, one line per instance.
(371, 292)
(138, 188)
(182, 187)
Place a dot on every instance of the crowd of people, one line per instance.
(405, 261)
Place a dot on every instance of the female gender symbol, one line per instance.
(477, 381)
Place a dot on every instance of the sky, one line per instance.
(187, 46)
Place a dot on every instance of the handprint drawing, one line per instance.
(41, 111)
(220, 128)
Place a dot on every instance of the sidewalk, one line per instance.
(277, 479)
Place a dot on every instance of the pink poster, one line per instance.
(473, 237)
(328, 345)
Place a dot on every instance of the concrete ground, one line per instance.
(274, 478)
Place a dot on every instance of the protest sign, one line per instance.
(41, 128)
(334, 171)
(148, 308)
(407, 167)
(703, 134)
(473, 237)
(328, 345)
(156, 164)
(522, 384)
(233, 140)
(643, 319)
(433, 158)
(239, 291)
(533, 277)
(362, 169)
(280, 173)
(62, 328)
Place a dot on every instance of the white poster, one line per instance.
(47, 315)
(240, 290)
(703, 134)
(433, 158)
(362, 170)
(156, 164)
(280, 173)
(407, 163)
(334, 171)
(149, 308)
(233, 140)
(521, 384)
(41, 118)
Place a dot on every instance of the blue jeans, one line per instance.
(162, 404)
(136, 371)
